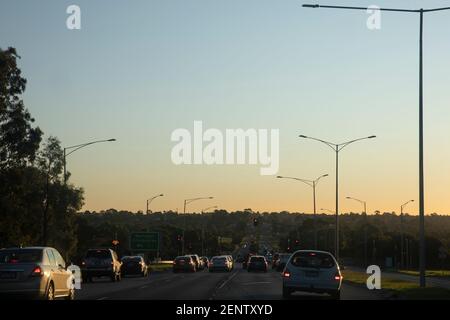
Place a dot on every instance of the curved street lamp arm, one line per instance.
(343, 145)
(308, 182)
(195, 199)
(330, 144)
(319, 178)
(79, 146)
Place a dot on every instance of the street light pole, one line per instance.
(365, 227)
(402, 235)
(186, 202)
(76, 148)
(151, 199)
(312, 184)
(421, 149)
(337, 148)
(203, 228)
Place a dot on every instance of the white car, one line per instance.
(312, 271)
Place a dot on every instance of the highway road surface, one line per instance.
(203, 285)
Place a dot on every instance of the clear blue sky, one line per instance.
(140, 69)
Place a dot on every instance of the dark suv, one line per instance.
(101, 263)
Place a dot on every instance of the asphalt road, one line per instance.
(236, 285)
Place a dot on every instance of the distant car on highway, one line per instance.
(220, 263)
(312, 271)
(231, 260)
(197, 261)
(282, 259)
(134, 265)
(184, 264)
(205, 261)
(246, 261)
(35, 272)
(101, 263)
(257, 263)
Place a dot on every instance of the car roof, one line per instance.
(27, 248)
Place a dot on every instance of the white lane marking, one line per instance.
(228, 280)
(143, 287)
(252, 283)
(102, 298)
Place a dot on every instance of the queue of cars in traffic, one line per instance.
(41, 272)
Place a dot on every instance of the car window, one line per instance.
(20, 256)
(99, 254)
(257, 259)
(312, 260)
(51, 257)
(59, 259)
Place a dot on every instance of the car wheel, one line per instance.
(336, 295)
(50, 295)
(71, 295)
(286, 293)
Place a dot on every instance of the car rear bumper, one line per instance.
(96, 272)
(311, 286)
(219, 268)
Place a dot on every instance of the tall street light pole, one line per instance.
(203, 228)
(186, 202)
(337, 148)
(364, 203)
(402, 236)
(76, 148)
(421, 164)
(151, 199)
(312, 184)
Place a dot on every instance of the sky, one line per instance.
(138, 70)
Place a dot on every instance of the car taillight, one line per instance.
(286, 274)
(83, 263)
(37, 271)
(338, 277)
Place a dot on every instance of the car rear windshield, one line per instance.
(131, 259)
(312, 260)
(100, 254)
(219, 259)
(183, 259)
(257, 259)
(20, 256)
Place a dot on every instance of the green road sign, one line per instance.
(144, 241)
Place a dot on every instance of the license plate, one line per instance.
(312, 274)
(8, 275)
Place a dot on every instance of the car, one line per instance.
(231, 260)
(184, 264)
(312, 271)
(274, 260)
(283, 258)
(198, 263)
(134, 265)
(101, 263)
(205, 261)
(219, 263)
(246, 261)
(35, 272)
(257, 263)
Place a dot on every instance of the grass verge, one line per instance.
(399, 288)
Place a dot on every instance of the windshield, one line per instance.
(99, 254)
(20, 256)
(312, 260)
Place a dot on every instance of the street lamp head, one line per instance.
(371, 137)
(310, 6)
(280, 177)
(161, 195)
(348, 197)
(211, 198)
(303, 136)
(111, 140)
(325, 175)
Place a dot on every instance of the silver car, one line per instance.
(35, 272)
(312, 271)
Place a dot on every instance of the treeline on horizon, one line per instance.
(370, 238)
